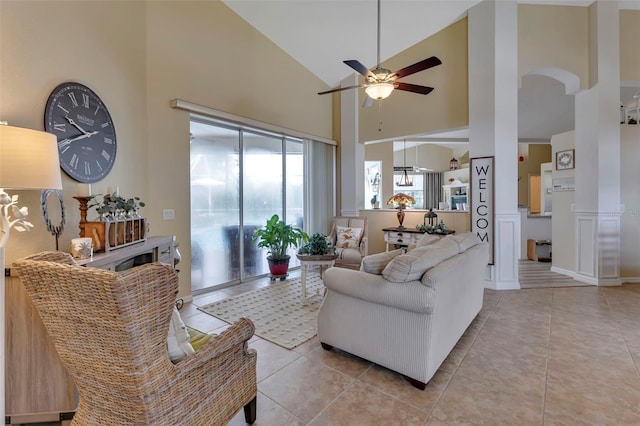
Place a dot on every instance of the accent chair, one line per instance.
(110, 331)
(349, 234)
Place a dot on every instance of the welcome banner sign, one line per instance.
(482, 213)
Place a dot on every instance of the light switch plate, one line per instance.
(168, 214)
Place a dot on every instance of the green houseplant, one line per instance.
(317, 245)
(277, 237)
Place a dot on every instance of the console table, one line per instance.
(38, 388)
(403, 237)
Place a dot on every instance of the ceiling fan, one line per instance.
(380, 82)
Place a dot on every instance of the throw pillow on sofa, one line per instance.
(412, 265)
(347, 237)
(178, 344)
(465, 240)
(375, 263)
(427, 239)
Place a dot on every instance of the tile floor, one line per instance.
(548, 356)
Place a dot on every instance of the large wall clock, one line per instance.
(84, 128)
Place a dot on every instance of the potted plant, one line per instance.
(113, 206)
(317, 246)
(277, 237)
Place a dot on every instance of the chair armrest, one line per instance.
(238, 334)
(408, 296)
(364, 246)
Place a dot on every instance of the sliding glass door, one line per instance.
(239, 179)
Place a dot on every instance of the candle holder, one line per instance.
(84, 201)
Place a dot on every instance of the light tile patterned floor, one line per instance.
(547, 356)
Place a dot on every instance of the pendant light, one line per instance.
(404, 179)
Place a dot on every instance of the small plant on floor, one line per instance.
(317, 245)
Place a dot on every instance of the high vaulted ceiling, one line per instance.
(320, 34)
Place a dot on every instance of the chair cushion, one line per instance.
(197, 338)
(412, 265)
(178, 344)
(348, 237)
(375, 263)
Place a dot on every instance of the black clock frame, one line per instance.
(87, 143)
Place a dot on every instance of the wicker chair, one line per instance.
(350, 257)
(110, 330)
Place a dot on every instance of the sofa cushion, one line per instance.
(465, 240)
(347, 237)
(427, 239)
(412, 265)
(375, 263)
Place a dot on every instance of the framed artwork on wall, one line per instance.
(565, 159)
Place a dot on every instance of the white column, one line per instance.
(493, 124)
(597, 199)
(351, 152)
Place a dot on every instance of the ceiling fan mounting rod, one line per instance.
(378, 57)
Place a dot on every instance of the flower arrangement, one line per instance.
(114, 206)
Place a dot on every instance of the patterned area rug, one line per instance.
(276, 310)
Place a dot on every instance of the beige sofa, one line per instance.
(406, 311)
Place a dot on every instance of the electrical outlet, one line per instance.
(168, 214)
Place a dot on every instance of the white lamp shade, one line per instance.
(379, 90)
(28, 159)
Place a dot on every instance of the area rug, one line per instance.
(276, 310)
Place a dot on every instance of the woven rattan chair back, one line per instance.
(110, 330)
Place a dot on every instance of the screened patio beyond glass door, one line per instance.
(233, 194)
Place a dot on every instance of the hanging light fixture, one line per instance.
(453, 164)
(404, 179)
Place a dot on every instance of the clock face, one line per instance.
(85, 132)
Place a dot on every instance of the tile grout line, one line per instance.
(546, 361)
(435, 404)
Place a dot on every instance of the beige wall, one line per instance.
(405, 113)
(629, 40)
(138, 56)
(554, 37)
(102, 45)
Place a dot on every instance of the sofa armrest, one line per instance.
(408, 296)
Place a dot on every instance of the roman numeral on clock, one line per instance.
(60, 127)
(87, 168)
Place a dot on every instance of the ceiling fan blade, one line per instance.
(357, 65)
(423, 90)
(339, 89)
(368, 101)
(418, 66)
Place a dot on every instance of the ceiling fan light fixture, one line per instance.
(379, 90)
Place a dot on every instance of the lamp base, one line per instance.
(400, 216)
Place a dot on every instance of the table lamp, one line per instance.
(28, 160)
(401, 201)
